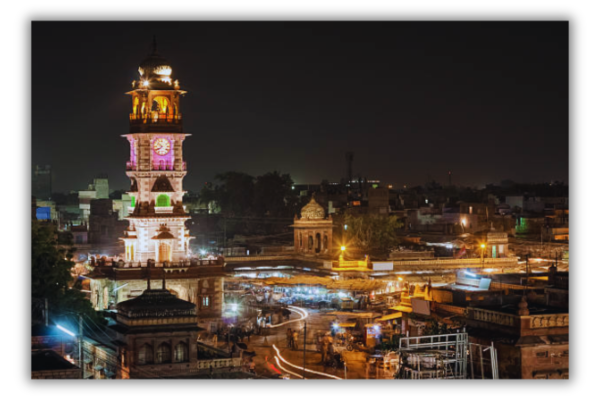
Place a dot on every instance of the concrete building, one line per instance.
(157, 334)
(104, 224)
(41, 182)
(48, 364)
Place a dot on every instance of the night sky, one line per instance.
(488, 101)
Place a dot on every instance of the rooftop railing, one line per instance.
(155, 122)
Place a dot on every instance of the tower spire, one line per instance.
(154, 45)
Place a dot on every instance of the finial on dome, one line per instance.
(154, 45)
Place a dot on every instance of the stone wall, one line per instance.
(57, 374)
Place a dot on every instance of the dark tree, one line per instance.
(374, 235)
(273, 195)
(51, 278)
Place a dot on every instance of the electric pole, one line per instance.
(80, 340)
(304, 363)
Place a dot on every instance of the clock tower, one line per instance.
(156, 167)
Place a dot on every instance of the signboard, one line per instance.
(420, 306)
(383, 266)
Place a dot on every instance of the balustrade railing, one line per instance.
(219, 363)
(494, 317)
(155, 118)
(549, 321)
(150, 263)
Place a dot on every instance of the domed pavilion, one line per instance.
(313, 232)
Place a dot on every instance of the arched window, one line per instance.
(161, 105)
(136, 104)
(318, 244)
(145, 355)
(310, 242)
(163, 200)
(163, 356)
(325, 242)
(181, 352)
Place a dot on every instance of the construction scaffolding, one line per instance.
(433, 357)
(446, 356)
(483, 361)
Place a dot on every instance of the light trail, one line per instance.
(287, 370)
(299, 310)
(304, 369)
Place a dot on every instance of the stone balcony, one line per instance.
(163, 123)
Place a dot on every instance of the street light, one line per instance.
(482, 248)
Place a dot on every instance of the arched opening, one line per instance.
(300, 239)
(136, 106)
(318, 244)
(181, 352)
(310, 242)
(164, 252)
(325, 243)
(163, 200)
(145, 355)
(161, 108)
(163, 355)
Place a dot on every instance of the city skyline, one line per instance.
(269, 96)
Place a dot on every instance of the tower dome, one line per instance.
(156, 70)
(312, 210)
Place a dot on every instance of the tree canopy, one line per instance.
(51, 278)
(262, 204)
(373, 235)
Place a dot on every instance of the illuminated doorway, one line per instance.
(164, 252)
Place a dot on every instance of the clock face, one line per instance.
(162, 146)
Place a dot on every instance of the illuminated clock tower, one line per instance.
(156, 167)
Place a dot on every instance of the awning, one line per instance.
(405, 309)
(347, 325)
(390, 316)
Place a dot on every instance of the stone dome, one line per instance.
(156, 70)
(312, 210)
(154, 65)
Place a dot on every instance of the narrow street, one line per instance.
(274, 339)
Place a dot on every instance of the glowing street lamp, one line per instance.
(65, 330)
(343, 248)
(482, 248)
